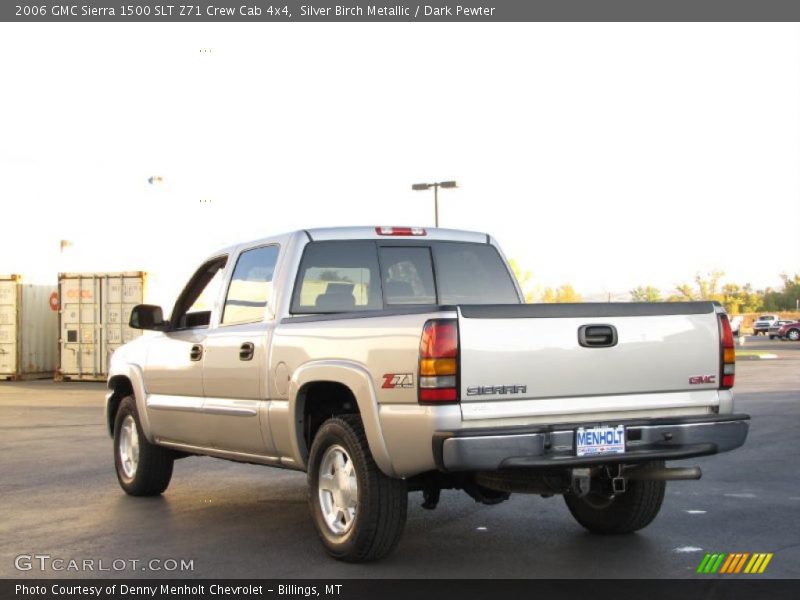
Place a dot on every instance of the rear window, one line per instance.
(472, 274)
(348, 276)
(407, 275)
(338, 277)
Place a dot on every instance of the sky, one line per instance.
(606, 156)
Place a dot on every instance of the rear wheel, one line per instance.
(143, 469)
(622, 513)
(358, 511)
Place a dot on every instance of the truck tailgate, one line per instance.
(528, 359)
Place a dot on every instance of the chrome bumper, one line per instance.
(554, 445)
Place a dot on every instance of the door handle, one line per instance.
(597, 336)
(196, 353)
(246, 351)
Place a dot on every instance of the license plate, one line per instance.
(596, 441)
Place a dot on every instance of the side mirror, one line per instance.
(148, 316)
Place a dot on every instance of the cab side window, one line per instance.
(251, 286)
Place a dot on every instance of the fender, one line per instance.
(135, 375)
(358, 379)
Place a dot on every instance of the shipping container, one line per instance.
(28, 329)
(94, 315)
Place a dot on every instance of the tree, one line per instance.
(685, 292)
(645, 294)
(707, 286)
(785, 299)
(563, 293)
(525, 280)
(740, 299)
(333, 275)
(737, 299)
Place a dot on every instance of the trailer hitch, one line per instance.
(581, 481)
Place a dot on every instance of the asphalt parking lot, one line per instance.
(59, 497)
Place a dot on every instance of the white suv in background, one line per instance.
(763, 323)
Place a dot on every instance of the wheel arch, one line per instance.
(340, 377)
(121, 383)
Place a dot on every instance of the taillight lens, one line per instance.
(728, 353)
(438, 362)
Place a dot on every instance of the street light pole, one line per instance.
(426, 186)
(436, 203)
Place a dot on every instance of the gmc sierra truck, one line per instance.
(387, 360)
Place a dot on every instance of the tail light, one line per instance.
(727, 353)
(438, 362)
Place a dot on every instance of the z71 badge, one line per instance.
(398, 380)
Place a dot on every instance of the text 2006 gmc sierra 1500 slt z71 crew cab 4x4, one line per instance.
(394, 359)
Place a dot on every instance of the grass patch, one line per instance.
(755, 354)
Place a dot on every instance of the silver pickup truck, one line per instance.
(387, 360)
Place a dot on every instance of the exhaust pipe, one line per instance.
(665, 474)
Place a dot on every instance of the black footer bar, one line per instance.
(703, 587)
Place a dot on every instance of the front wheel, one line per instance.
(358, 511)
(622, 513)
(143, 469)
(793, 334)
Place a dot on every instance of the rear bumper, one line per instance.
(554, 445)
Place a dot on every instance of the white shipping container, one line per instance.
(95, 310)
(28, 329)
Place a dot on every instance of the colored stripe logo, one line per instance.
(734, 563)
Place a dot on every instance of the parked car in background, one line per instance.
(773, 330)
(763, 323)
(736, 324)
(790, 331)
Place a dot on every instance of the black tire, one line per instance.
(793, 334)
(151, 473)
(625, 513)
(381, 501)
(772, 337)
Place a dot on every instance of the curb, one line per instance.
(756, 357)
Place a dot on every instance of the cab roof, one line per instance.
(394, 231)
(389, 232)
